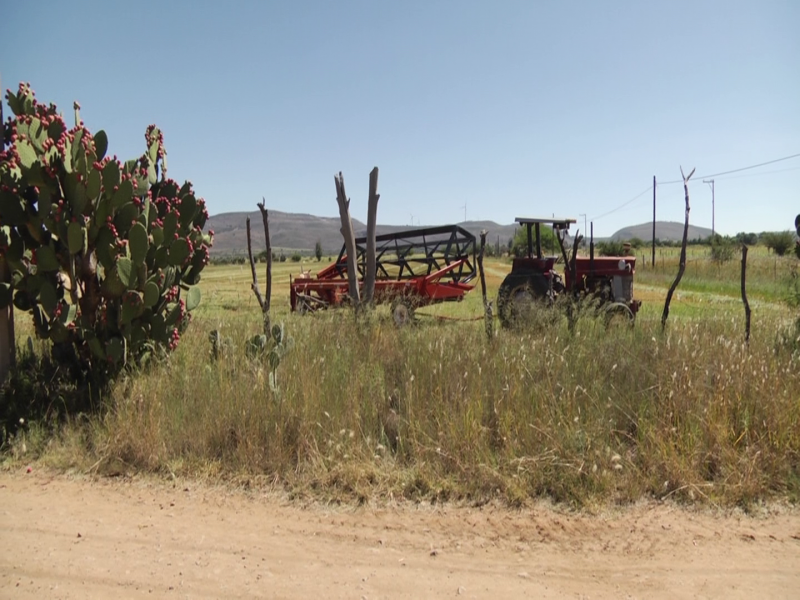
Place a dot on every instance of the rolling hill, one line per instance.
(665, 230)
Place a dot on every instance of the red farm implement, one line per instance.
(607, 280)
(414, 268)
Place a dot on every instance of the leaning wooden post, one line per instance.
(262, 207)
(263, 303)
(372, 217)
(7, 341)
(744, 296)
(349, 239)
(487, 306)
(682, 264)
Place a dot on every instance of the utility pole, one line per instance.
(465, 212)
(654, 222)
(711, 181)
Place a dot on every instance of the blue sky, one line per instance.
(507, 108)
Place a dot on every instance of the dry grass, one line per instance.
(436, 412)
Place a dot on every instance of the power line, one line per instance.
(769, 162)
(636, 197)
(660, 183)
(761, 174)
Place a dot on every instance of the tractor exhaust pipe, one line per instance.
(591, 249)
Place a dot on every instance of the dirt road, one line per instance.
(65, 538)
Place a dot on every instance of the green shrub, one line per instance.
(610, 248)
(722, 248)
(778, 241)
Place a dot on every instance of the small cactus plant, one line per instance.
(274, 347)
(104, 254)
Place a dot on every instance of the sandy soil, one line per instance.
(67, 538)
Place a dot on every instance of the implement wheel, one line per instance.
(402, 311)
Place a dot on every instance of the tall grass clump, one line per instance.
(435, 412)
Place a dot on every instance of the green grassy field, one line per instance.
(769, 277)
(435, 411)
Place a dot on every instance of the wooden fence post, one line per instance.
(744, 296)
(487, 306)
(372, 217)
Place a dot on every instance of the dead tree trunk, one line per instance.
(682, 264)
(487, 306)
(744, 296)
(263, 302)
(349, 239)
(372, 216)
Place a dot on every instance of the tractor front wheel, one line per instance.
(618, 314)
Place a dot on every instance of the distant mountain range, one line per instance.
(665, 230)
(295, 231)
(300, 232)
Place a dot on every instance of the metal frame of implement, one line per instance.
(424, 266)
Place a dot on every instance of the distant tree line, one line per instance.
(722, 247)
(261, 257)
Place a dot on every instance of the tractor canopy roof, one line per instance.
(556, 223)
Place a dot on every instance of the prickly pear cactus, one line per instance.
(104, 254)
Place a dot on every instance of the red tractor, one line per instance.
(534, 282)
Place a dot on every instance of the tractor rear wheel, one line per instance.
(520, 297)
